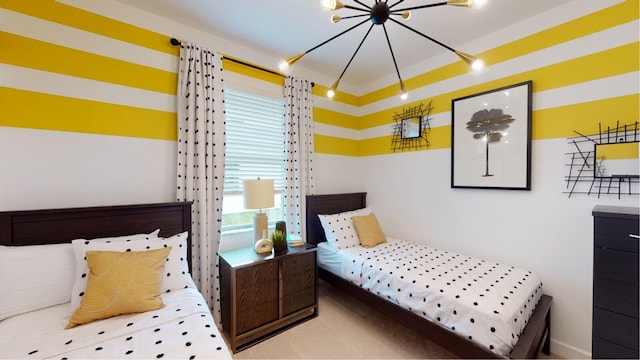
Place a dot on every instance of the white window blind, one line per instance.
(254, 140)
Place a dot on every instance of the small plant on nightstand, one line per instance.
(279, 240)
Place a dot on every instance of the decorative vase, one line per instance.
(279, 239)
(280, 250)
(282, 226)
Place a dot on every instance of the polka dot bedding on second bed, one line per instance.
(483, 301)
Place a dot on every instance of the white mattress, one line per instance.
(183, 329)
(329, 259)
(486, 302)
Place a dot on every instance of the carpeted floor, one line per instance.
(345, 329)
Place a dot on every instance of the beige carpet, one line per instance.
(345, 329)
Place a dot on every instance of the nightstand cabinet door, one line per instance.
(256, 296)
(615, 283)
(298, 282)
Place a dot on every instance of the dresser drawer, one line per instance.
(614, 233)
(256, 316)
(603, 349)
(616, 296)
(247, 277)
(299, 300)
(616, 328)
(615, 265)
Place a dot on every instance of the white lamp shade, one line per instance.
(258, 194)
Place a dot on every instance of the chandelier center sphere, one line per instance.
(379, 13)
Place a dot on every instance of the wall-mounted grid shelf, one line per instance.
(586, 174)
(421, 111)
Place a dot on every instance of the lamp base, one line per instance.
(259, 224)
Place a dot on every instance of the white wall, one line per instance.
(52, 169)
(542, 230)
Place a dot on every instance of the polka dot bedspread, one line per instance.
(183, 329)
(483, 301)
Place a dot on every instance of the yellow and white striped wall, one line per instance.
(69, 69)
(584, 68)
(88, 104)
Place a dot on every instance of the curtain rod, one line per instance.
(176, 42)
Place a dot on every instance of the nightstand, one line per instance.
(262, 294)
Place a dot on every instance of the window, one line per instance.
(254, 148)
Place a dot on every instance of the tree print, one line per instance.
(488, 126)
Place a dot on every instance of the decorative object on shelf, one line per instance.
(295, 240)
(605, 163)
(281, 226)
(263, 245)
(411, 128)
(258, 194)
(279, 240)
(491, 139)
(378, 14)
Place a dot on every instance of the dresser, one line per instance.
(615, 282)
(262, 295)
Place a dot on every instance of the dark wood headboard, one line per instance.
(53, 226)
(326, 205)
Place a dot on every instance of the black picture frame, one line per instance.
(491, 139)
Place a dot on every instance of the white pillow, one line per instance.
(35, 276)
(176, 271)
(339, 229)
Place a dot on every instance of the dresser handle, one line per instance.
(634, 236)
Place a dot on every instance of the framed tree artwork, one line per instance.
(491, 139)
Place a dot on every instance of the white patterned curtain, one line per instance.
(201, 146)
(299, 180)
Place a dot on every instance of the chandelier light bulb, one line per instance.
(404, 94)
(477, 3)
(406, 15)
(331, 5)
(335, 18)
(477, 64)
(283, 66)
(467, 3)
(332, 90)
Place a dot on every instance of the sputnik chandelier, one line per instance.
(378, 14)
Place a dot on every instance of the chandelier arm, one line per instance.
(393, 57)
(335, 36)
(423, 35)
(365, 5)
(356, 8)
(354, 16)
(355, 52)
(399, 1)
(422, 6)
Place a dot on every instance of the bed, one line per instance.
(41, 253)
(533, 339)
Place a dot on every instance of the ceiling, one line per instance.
(287, 27)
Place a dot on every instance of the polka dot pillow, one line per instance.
(176, 270)
(339, 229)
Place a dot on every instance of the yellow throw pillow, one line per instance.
(369, 231)
(121, 283)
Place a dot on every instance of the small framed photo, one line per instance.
(491, 139)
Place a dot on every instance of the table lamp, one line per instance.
(258, 194)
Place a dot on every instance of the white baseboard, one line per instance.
(567, 351)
